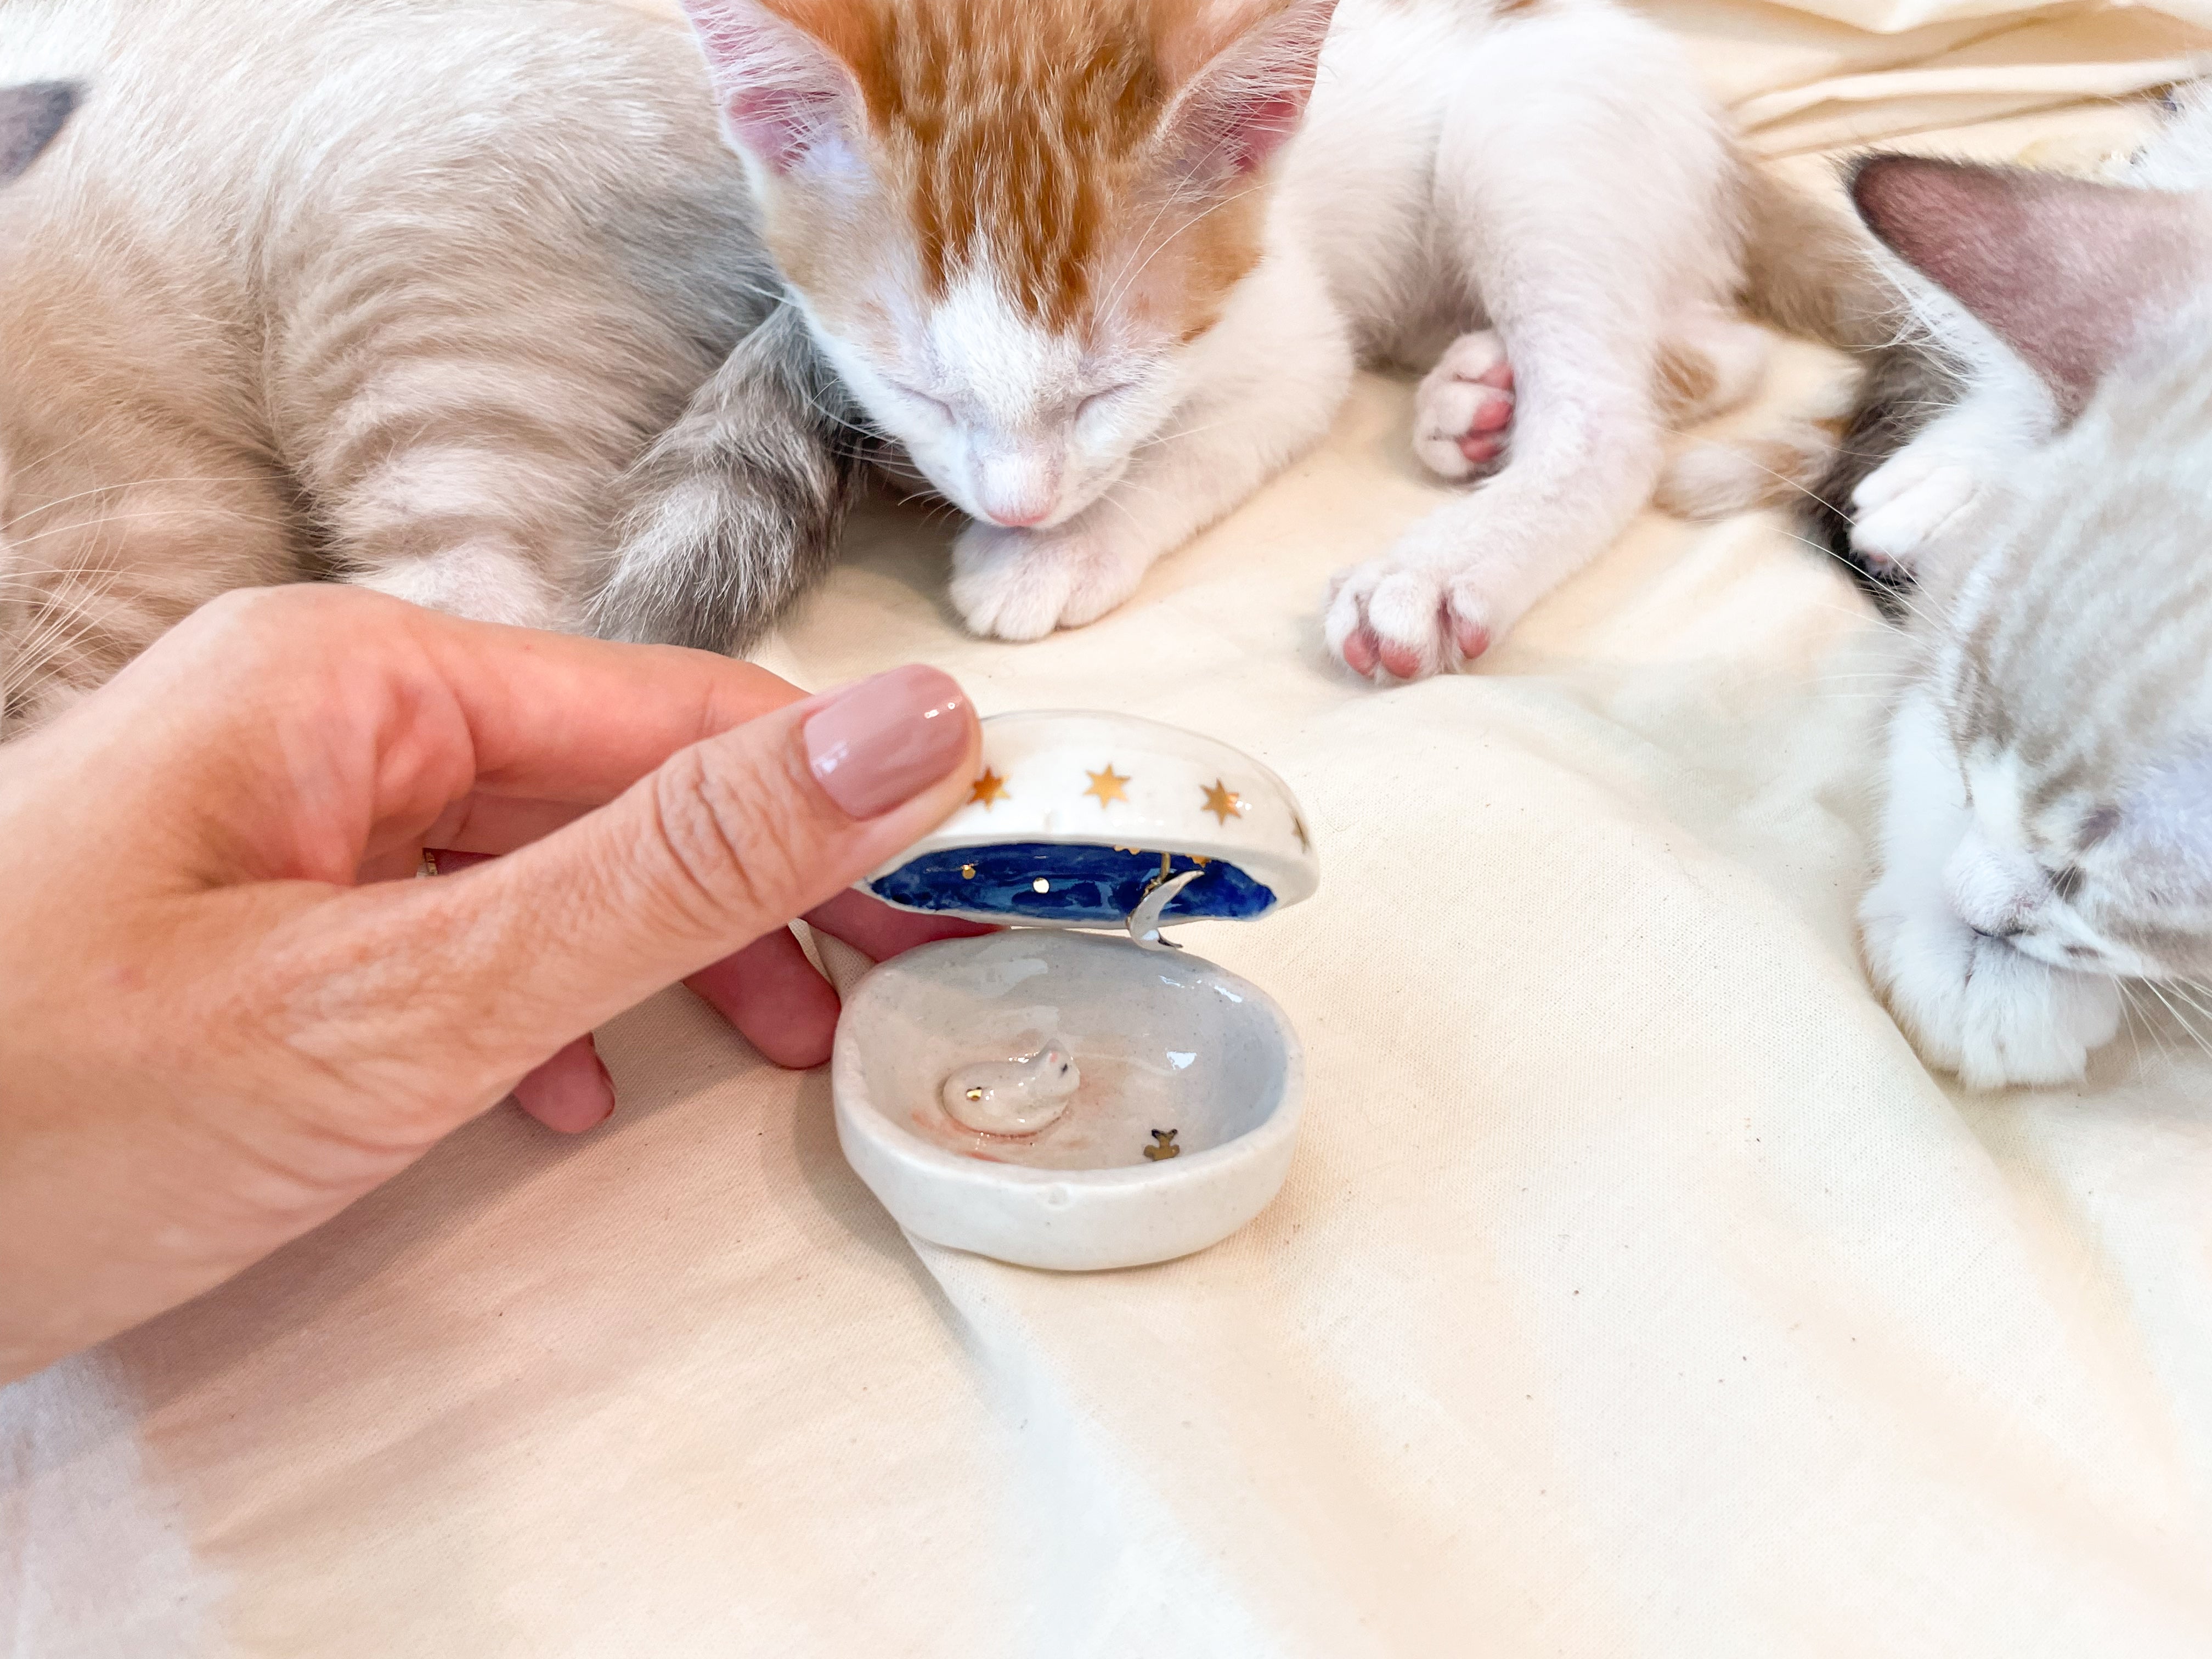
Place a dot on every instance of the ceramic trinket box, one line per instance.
(1077, 1091)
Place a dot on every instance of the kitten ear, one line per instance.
(1247, 72)
(2063, 271)
(30, 117)
(783, 91)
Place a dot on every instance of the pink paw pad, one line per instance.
(1464, 411)
(1484, 437)
(1369, 653)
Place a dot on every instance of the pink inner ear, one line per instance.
(781, 90)
(2063, 271)
(1265, 127)
(1245, 104)
(779, 125)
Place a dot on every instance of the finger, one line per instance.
(505, 962)
(451, 860)
(768, 991)
(494, 823)
(331, 725)
(879, 932)
(555, 725)
(771, 993)
(570, 1093)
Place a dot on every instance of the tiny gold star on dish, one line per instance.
(989, 790)
(1107, 785)
(1223, 802)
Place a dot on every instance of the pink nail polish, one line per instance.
(883, 741)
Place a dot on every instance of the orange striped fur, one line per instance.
(1024, 139)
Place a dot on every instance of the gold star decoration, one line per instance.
(989, 790)
(1164, 1144)
(1107, 785)
(1223, 802)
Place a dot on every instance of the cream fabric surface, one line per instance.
(1635, 1291)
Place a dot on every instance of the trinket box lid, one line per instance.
(1076, 819)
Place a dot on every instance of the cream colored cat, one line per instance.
(399, 290)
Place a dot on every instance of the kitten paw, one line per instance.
(1396, 619)
(1464, 412)
(1907, 509)
(1023, 584)
(1975, 1006)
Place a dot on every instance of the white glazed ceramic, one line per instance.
(1180, 1129)
(1173, 1049)
(1117, 781)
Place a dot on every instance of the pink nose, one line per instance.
(1019, 486)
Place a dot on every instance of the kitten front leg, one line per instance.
(1264, 400)
(1584, 455)
(1587, 232)
(1970, 1004)
(1926, 498)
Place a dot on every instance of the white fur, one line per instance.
(1242, 417)
(1551, 183)
(1458, 400)
(1933, 489)
(1973, 1002)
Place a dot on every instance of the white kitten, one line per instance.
(1101, 267)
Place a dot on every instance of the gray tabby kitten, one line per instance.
(461, 299)
(2047, 837)
(2034, 455)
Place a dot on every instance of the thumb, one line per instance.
(728, 841)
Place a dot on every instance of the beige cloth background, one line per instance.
(1635, 1291)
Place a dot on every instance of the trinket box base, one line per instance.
(1180, 1133)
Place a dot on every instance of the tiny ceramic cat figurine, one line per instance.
(1103, 267)
(1017, 1097)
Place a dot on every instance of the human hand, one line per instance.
(220, 1024)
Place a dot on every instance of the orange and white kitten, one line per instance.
(1101, 267)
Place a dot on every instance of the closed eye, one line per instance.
(1099, 399)
(937, 404)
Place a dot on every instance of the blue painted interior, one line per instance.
(1086, 885)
